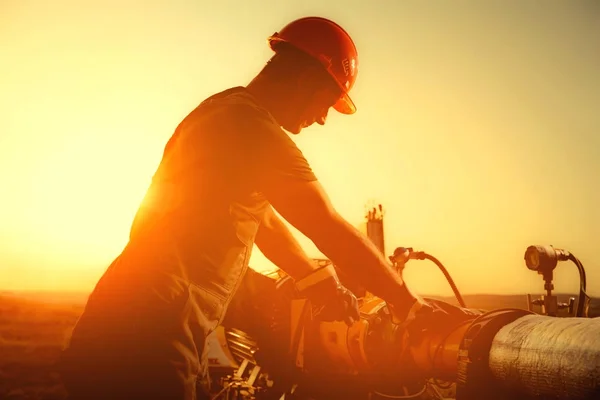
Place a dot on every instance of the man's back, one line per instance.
(191, 238)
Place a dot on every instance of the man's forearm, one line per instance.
(277, 243)
(355, 254)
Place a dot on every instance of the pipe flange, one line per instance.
(473, 375)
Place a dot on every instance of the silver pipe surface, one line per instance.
(543, 357)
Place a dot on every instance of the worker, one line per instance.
(226, 173)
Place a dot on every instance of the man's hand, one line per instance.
(308, 208)
(334, 301)
(320, 285)
(429, 315)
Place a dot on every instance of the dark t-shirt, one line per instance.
(208, 190)
(202, 211)
(190, 241)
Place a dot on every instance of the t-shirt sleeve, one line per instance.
(272, 158)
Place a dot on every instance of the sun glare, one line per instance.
(86, 193)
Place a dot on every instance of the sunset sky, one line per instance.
(478, 127)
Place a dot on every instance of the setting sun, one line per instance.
(86, 190)
(466, 157)
(476, 129)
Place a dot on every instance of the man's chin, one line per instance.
(293, 129)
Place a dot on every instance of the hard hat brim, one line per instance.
(345, 105)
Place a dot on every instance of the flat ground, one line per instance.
(32, 333)
(33, 328)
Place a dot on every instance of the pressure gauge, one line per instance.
(541, 258)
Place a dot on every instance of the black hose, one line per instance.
(448, 278)
(583, 297)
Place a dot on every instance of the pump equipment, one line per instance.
(272, 346)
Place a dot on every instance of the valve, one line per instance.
(549, 309)
(401, 256)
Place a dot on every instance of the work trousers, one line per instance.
(141, 336)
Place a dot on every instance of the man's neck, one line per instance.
(270, 96)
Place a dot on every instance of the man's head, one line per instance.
(314, 67)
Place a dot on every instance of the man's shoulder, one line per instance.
(235, 104)
(235, 115)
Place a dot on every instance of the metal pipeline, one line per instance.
(436, 356)
(512, 354)
(543, 357)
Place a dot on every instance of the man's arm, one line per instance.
(277, 243)
(319, 284)
(307, 207)
(275, 163)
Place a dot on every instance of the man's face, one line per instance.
(315, 95)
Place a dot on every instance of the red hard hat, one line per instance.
(330, 44)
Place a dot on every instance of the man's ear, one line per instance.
(308, 79)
